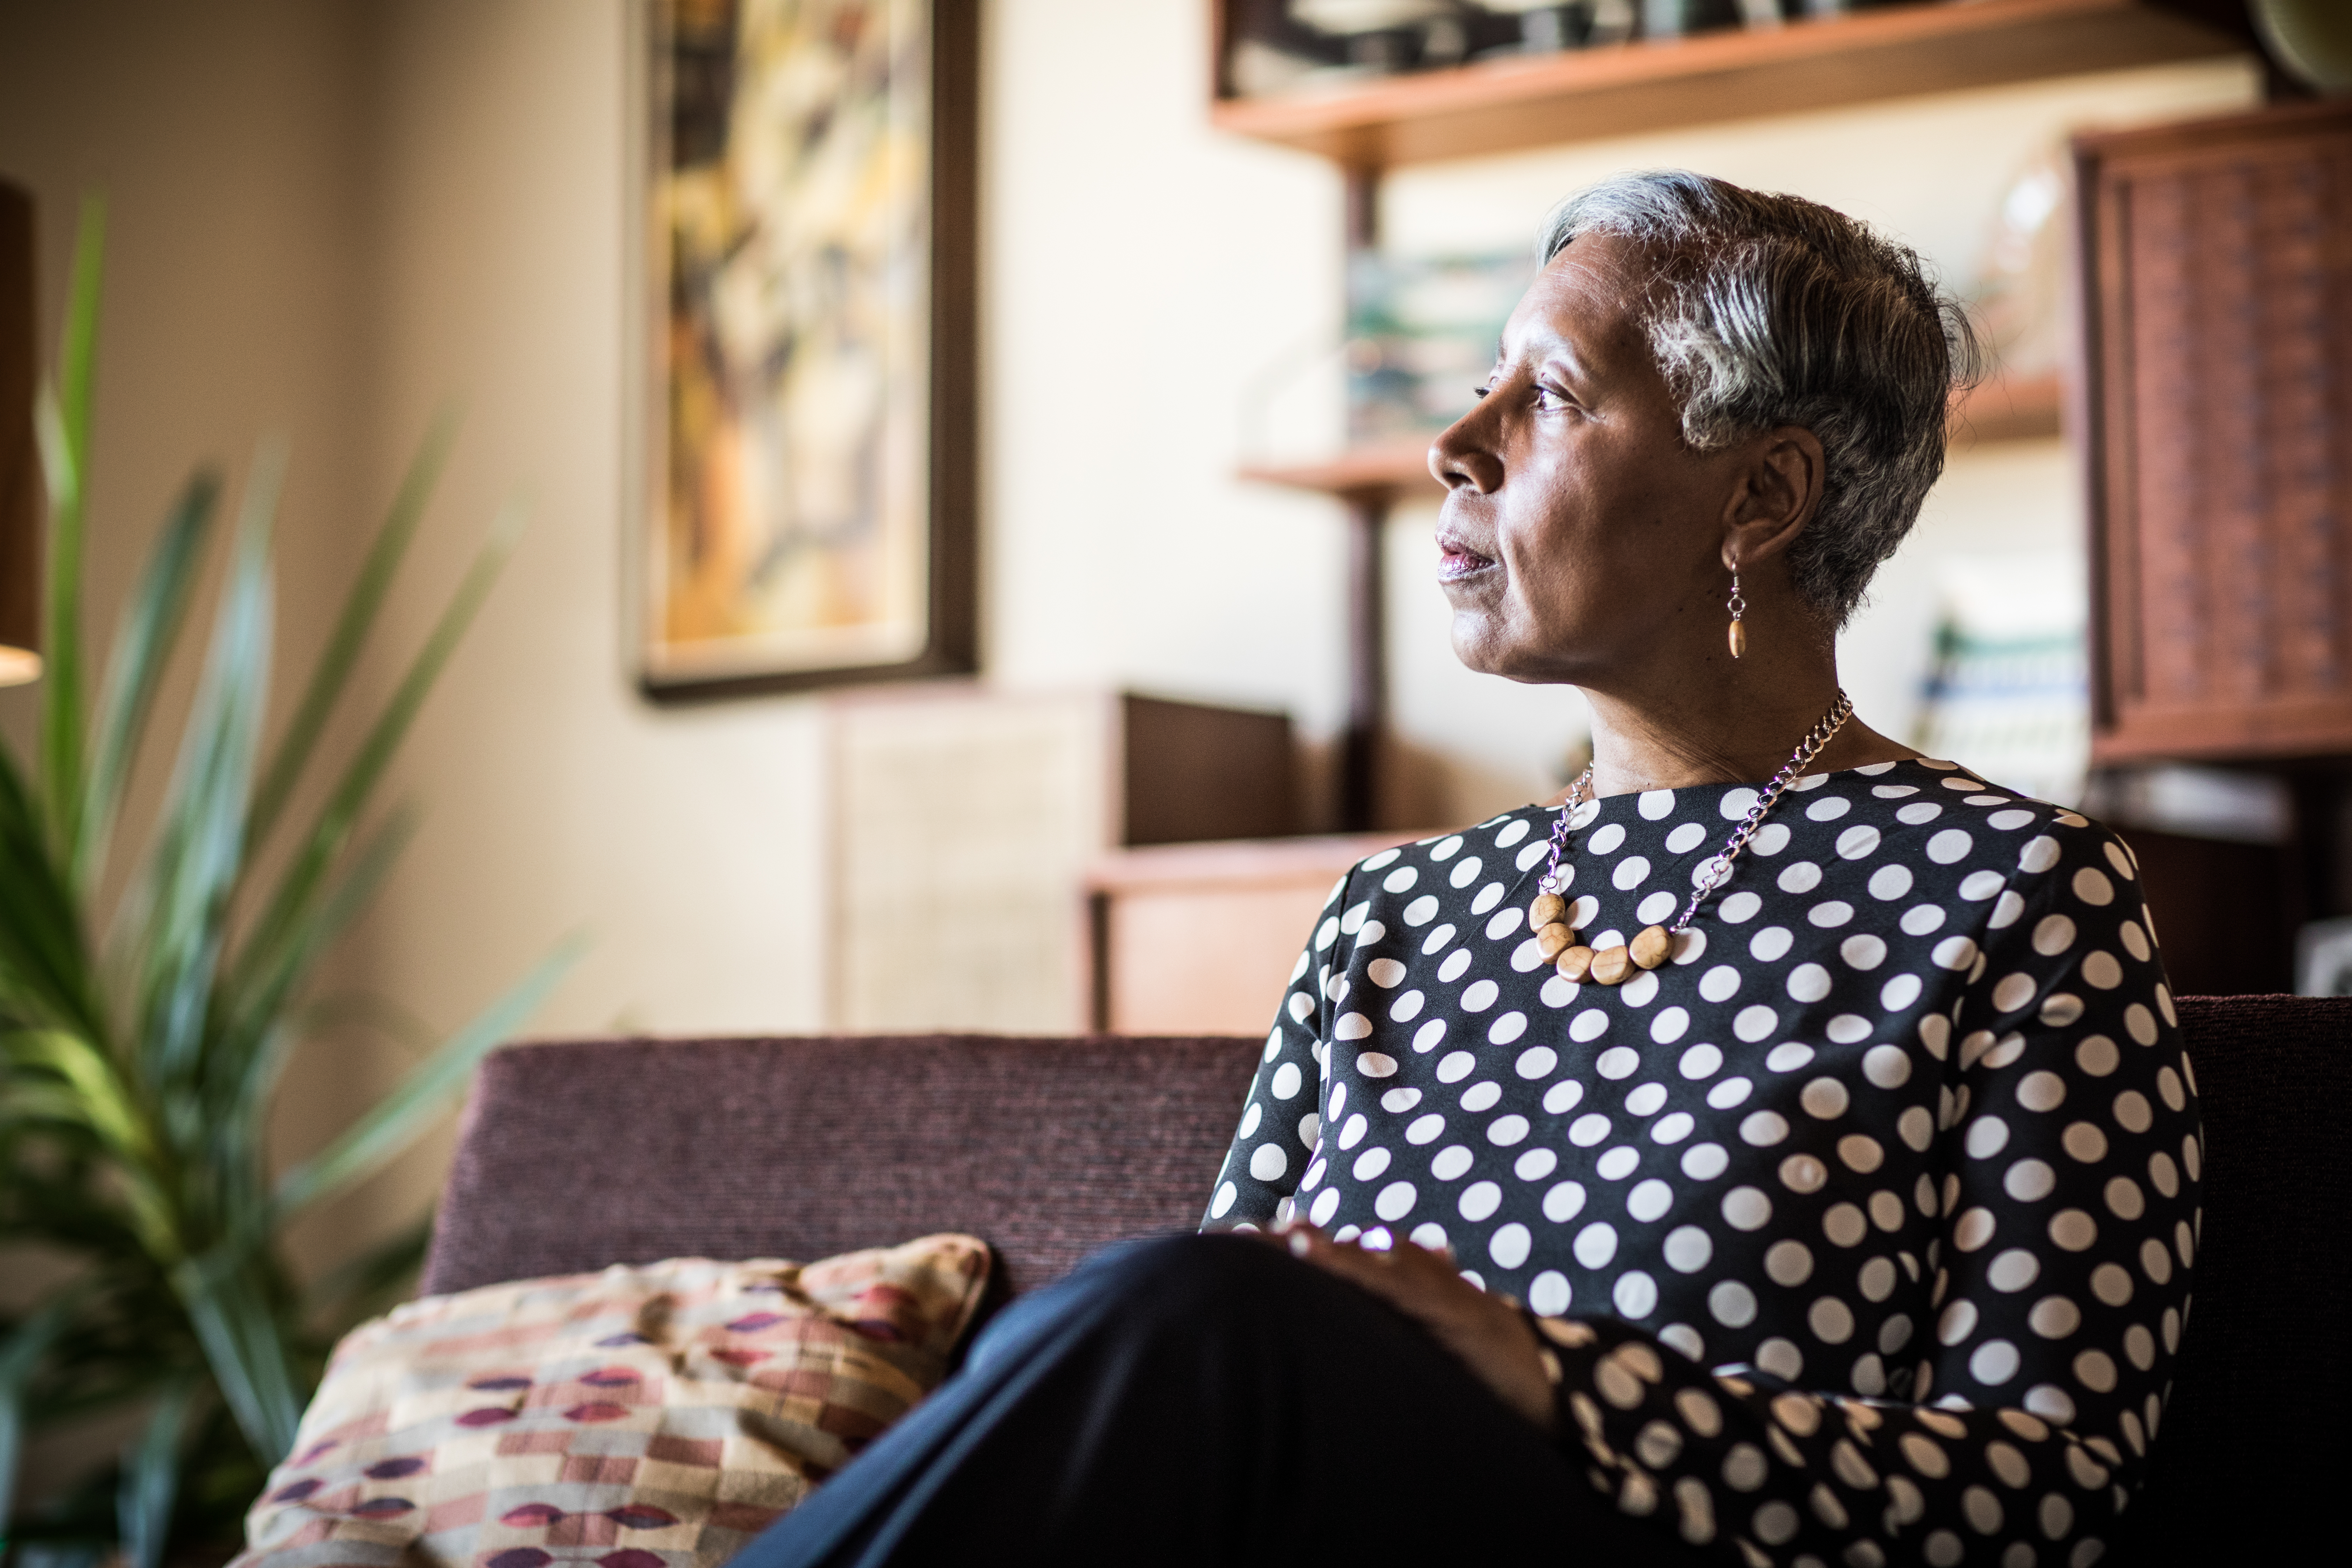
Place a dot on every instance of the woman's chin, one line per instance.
(1482, 648)
(1485, 649)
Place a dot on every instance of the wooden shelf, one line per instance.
(1500, 106)
(2000, 410)
(2006, 409)
(1398, 468)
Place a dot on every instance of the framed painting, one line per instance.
(807, 209)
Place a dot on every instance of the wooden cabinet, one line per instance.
(963, 821)
(2216, 268)
(1200, 938)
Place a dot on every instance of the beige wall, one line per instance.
(225, 140)
(329, 217)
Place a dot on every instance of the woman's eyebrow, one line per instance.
(1560, 350)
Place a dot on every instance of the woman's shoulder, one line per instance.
(1458, 856)
(1952, 814)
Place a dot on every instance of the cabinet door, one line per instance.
(2217, 293)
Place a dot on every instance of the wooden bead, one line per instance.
(1547, 909)
(1739, 639)
(1611, 965)
(1653, 947)
(1553, 940)
(1574, 964)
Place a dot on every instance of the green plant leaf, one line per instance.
(200, 849)
(150, 1479)
(260, 1036)
(244, 1346)
(143, 645)
(63, 423)
(401, 1115)
(111, 1110)
(46, 978)
(304, 878)
(20, 1354)
(351, 628)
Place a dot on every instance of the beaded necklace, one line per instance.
(1558, 941)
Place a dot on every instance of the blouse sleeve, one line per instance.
(1281, 1129)
(2067, 1142)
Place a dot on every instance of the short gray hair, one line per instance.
(1767, 311)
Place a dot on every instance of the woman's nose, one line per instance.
(1462, 457)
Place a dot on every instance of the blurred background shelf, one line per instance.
(1508, 104)
(2001, 409)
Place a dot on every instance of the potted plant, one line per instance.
(142, 1043)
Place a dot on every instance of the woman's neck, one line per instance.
(1737, 731)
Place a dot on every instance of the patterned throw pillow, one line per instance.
(650, 1417)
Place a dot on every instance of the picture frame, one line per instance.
(803, 207)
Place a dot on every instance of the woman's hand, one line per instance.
(1490, 1337)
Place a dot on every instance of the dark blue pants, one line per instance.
(1205, 1401)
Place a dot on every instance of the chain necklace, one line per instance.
(1559, 942)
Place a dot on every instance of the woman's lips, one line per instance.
(1457, 560)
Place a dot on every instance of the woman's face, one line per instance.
(1579, 536)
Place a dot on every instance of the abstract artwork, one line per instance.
(808, 215)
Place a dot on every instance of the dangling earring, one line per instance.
(1739, 607)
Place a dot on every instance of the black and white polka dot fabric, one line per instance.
(1863, 1227)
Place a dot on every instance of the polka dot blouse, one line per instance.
(1862, 1229)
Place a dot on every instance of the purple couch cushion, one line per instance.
(579, 1155)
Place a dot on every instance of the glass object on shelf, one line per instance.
(2234, 806)
(1422, 332)
(1384, 37)
(2020, 286)
(1680, 18)
(1547, 27)
(1349, 18)
(1275, 46)
(2310, 40)
(2008, 692)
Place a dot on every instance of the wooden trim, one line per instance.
(2272, 728)
(2084, 399)
(2218, 138)
(1900, 51)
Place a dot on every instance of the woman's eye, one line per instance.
(1481, 391)
(1550, 399)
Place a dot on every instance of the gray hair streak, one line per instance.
(1769, 310)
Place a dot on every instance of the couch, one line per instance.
(575, 1154)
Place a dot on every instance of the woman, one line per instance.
(1780, 1153)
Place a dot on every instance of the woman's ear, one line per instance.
(1779, 491)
